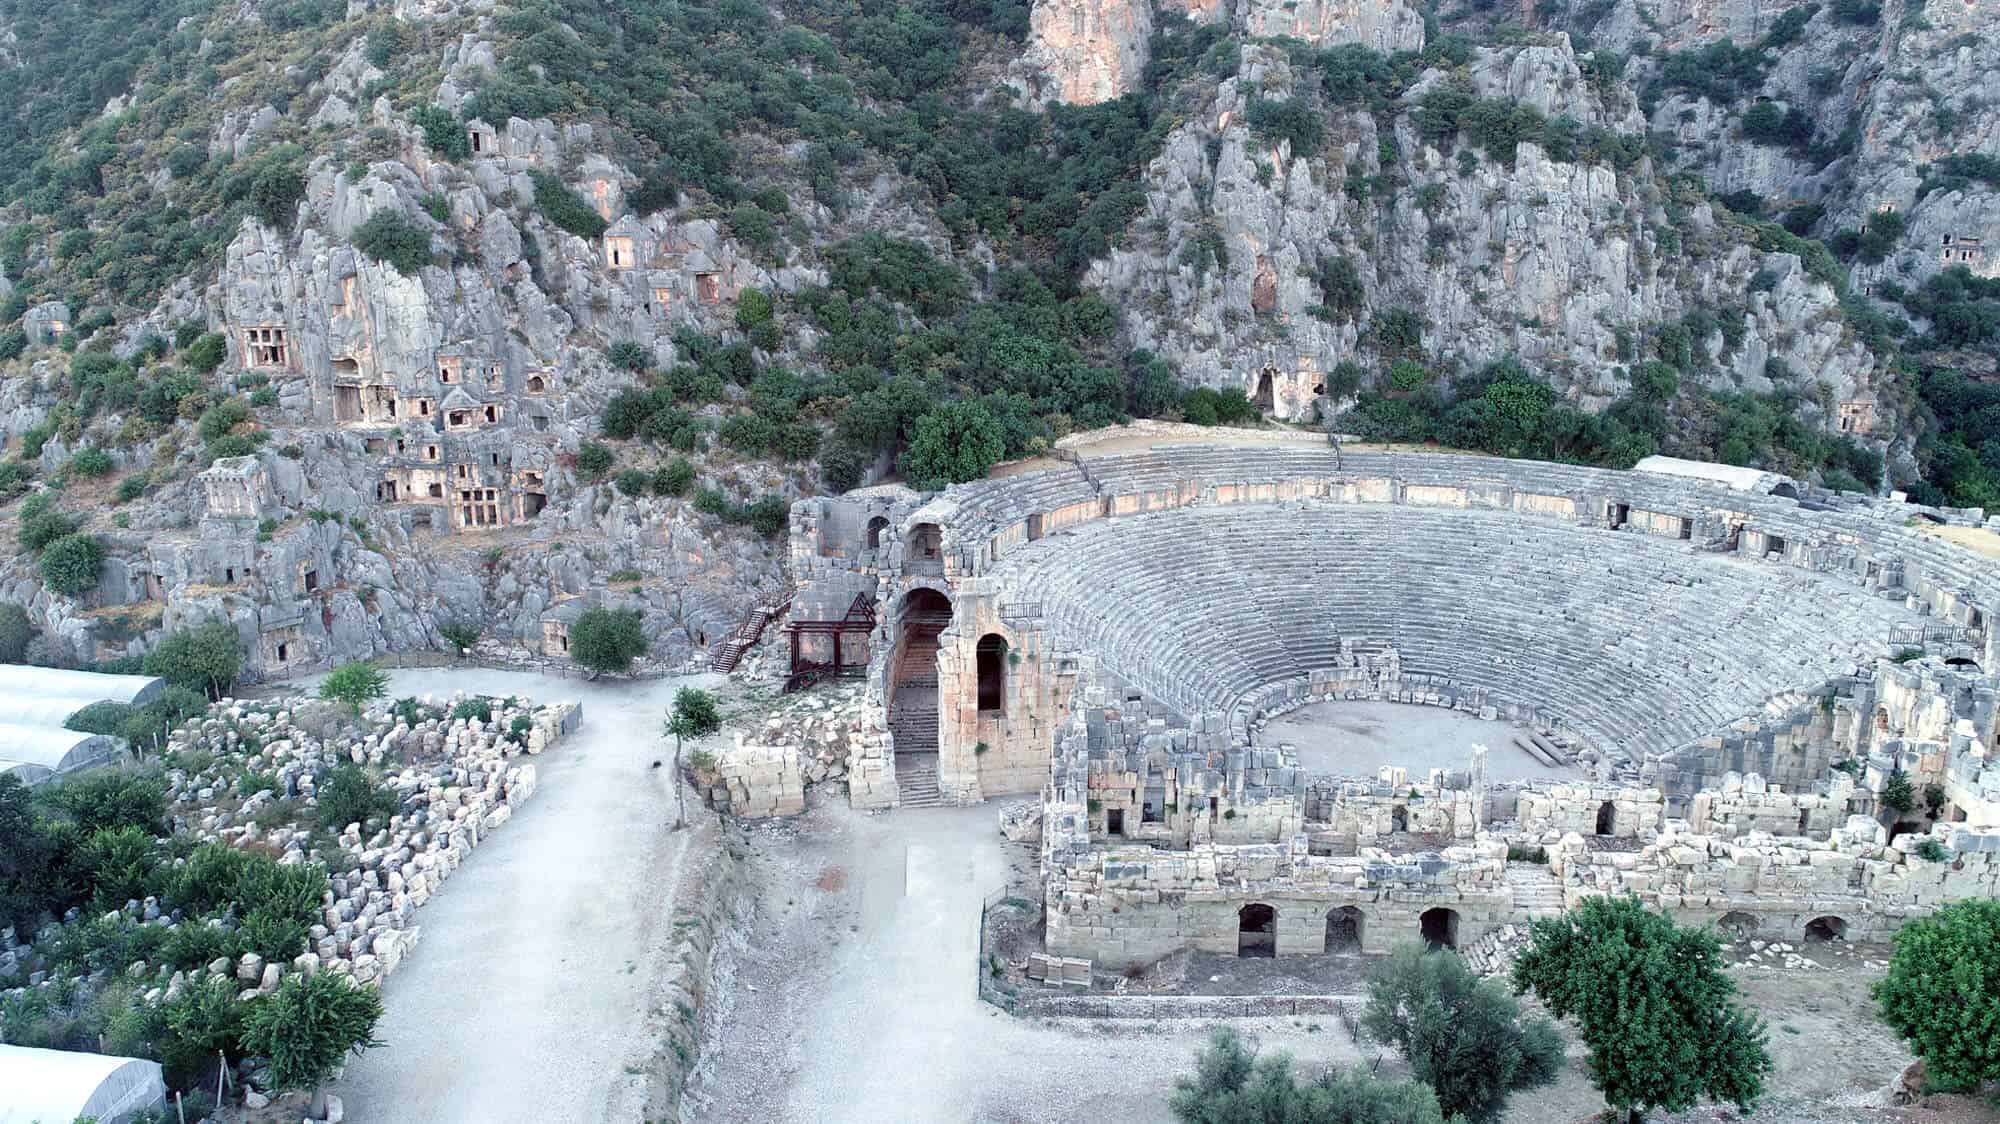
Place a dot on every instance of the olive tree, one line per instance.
(694, 716)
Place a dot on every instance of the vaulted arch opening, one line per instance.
(991, 658)
(1256, 930)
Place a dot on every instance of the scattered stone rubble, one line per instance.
(458, 779)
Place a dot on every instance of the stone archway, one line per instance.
(990, 660)
(1439, 928)
(1736, 924)
(1607, 818)
(1820, 930)
(1343, 929)
(913, 701)
(1256, 931)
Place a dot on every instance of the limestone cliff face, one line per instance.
(1088, 51)
(1387, 26)
(1884, 100)
(1547, 261)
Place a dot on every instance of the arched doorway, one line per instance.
(913, 702)
(1785, 491)
(877, 527)
(1736, 925)
(1440, 928)
(1607, 818)
(1343, 929)
(1823, 929)
(1256, 930)
(991, 660)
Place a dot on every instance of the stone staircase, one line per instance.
(917, 780)
(1536, 891)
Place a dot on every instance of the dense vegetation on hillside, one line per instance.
(743, 111)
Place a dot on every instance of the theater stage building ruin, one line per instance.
(1706, 676)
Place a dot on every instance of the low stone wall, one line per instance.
(1746, 804)
(1558, 810)
(708, 901)
(1778, 885)
(826, 736)
(1054, 1004)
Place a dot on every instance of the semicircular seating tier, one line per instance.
(1638, 642)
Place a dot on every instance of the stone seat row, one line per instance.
(1199, 607)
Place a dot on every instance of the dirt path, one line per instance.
(526, 998)
(850, 995)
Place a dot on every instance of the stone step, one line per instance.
(917, 780)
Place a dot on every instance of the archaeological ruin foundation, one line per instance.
(1711, 681)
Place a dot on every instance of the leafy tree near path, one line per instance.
(607, 639)
(355, 684)
(694, 716)
(1943, 993)
(1653, 1005)
(307, 1027)
(205, 658)
(1463, 1036)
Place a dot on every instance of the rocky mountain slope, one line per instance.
(384, 327)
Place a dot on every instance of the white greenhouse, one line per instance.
(59, 1086)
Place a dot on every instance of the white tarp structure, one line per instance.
(1734, 477)
(58, 1086)
(36, 701)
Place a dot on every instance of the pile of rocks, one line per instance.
(1493, 954)
(811, 738)
(456, 778)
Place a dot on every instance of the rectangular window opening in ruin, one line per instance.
(1774, 545)
(430, 452)
(347, 403)
(265, 347)
(375, 446)
(312, 580)
(493, 415)
(229, 575)
(1214, 808)
(541, 423)
(284, 652)
(495, 458)
(1687, 529)
(458, 418)
(448, 368)
(532, 504)
(1153, 810)
(437, 491)
(1618, 514)
(708, 286)
(386, 491)
(1114, 822)
(478, 141)
(1034, 527)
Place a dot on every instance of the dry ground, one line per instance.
(848, 994)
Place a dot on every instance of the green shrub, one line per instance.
(674, 478)
(458, 635)
(43, 527)
(390, 238)
(634, 481)
(307, 1027)
(1462, 1036)
(204, 658)
(1942, 993)
(564, 207)
(15, 632)
(480, 708)
(91, 462)
(347, 794)
(1288, 119)
(119, 863)
(104, 717)
(71, 564)
(593, 460)
(607, 639)
(443, 133)
(953, 443)
(629, 354)
(355, 684)
(111, 799)
(132, 487)
(221, 419)
(206, 353)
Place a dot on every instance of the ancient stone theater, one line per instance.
(1277, 697)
